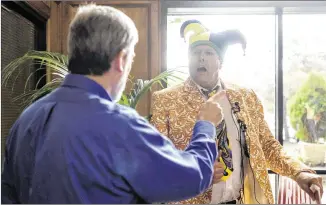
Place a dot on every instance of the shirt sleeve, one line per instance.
(159, 172)
(276, 158)
(8, 191)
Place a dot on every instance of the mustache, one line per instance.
(201, 69)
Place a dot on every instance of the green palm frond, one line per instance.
(56, 62)
(57, 65)
(124, 100)
(141, 87)
(28, 98)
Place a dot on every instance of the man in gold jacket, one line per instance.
(247, 147)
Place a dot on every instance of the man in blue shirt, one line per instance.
(76, 145)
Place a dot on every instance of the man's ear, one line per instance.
(220, 63)
(119, 61)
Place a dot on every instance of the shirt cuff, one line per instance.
(294, 177)
(203, 126)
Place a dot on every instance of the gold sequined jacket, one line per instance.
(174, 112)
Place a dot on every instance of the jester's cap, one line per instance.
(195, 33)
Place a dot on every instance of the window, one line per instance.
(304, 74)
(285, 38)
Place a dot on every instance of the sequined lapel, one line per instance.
(236, 97)
(256, 153)
(192, 95)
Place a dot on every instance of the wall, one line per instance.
(145, 14)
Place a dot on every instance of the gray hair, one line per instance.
(96, 35)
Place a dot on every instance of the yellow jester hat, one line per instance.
(195, 33)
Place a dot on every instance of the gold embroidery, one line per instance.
(174, 114)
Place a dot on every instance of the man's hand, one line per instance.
(305, 180)
(218, 172)
(218, 169)
(211, 110)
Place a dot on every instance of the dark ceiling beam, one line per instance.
(40, 7)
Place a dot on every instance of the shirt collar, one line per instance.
(218, 86)
(82, 82)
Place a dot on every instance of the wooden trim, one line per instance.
(54, 34)
(110, 2)
(145, 5)
(40, 7)
(155, 36)
(154, 39)
(163, 32)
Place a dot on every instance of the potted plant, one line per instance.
(57, 64)
(308, 117)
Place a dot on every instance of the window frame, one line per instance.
(278, 8)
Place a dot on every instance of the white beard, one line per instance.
(119, 88)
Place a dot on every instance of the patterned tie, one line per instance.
(224, 146)
(209, 93)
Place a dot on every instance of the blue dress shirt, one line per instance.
(77, 146)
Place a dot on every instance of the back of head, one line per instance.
(97, 34)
